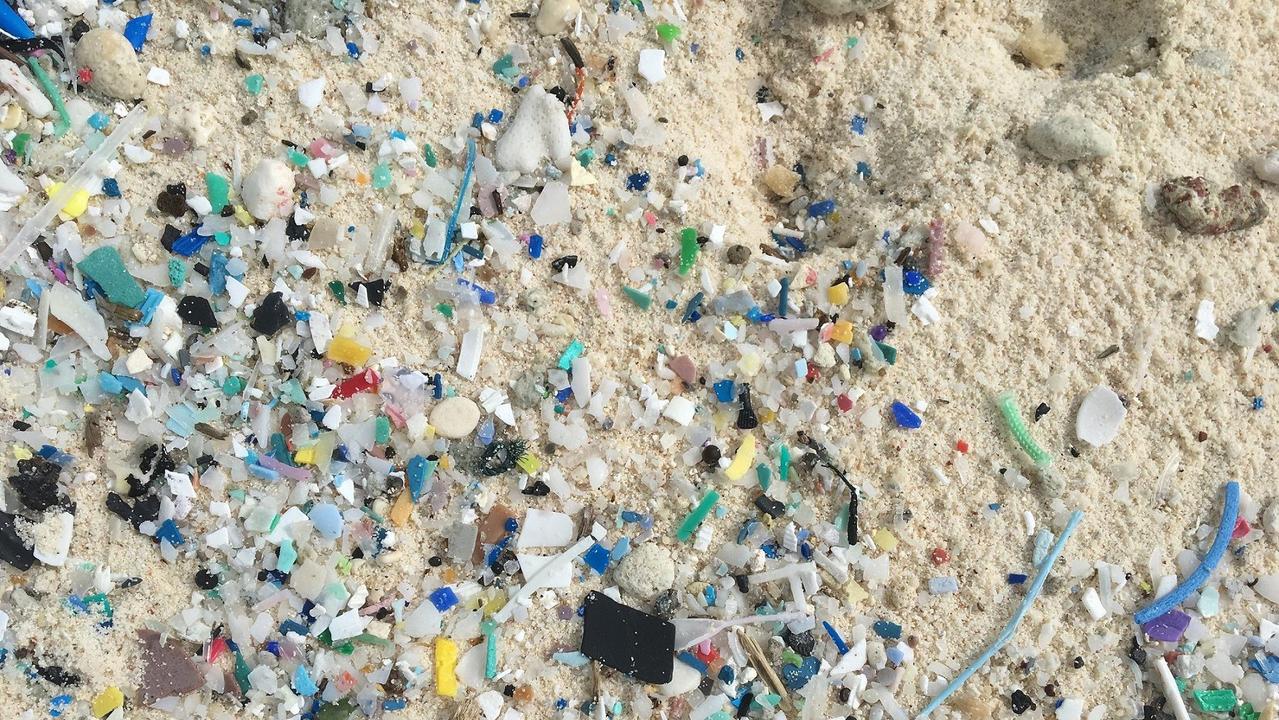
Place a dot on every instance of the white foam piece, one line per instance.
(1100, 415)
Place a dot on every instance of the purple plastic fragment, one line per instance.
(1168, 627)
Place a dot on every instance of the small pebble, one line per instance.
(110, 57)
(737, 255)
(646, 570)
(268, 190)
(556, 16)
(844, 7)
(1068, 136)
(455, 417)
(1199, 207)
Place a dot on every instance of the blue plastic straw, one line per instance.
(1229, 515)
(12, 23)
(451, 229)
(1011, 628)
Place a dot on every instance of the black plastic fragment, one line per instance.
(12, 549)
(628, 640)
(196, 310)
(271, 315)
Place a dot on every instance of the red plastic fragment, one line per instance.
(365, 381)
(939, 556)
(844, 402)
(962, 446)
(216, 648)
(1241, 528)
(84, 75)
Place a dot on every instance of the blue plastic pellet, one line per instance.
(535, 243)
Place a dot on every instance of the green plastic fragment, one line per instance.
(103, 604)
(505, 68)
(232, 386)
(668, 32)
(291, 391)
(696, 517)
(20, 144)
(489, 628)
(688, 250)
(288, 556)
(1222, 700)
(339, 290)
(1248, 712)
(890, 353)
(851, 42)
(105, 268)
(63, 124)
(219, 190)
(571, 353)
(764, 475)
(586, 157)
(370, 639)
(382, 430)
(428, 152)
(783, 464)
(253, 84)
(242, 672)
(642, 300)
(381, 176)
(446, 310)
(298, 158)
(222, 238)
(1017, 426)
(177, 272)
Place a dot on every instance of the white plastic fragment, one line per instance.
(311, 93)
(1092, 603)
(82, 317)
(557, 576)
(539, 131)
(12, 189)
(581, 380)
(679, 410)
(1171, 691)
(894, 295)
(1100, 415)
(552, 206)
(545, 528)
(468, 358)
(159, 76)
(29, 96)
(526, 591)
(53, 538)
(652, 64)
(18, 318)
(348, 624)
(1205, 321)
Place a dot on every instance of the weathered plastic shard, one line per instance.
(167, 668)
(82, 317)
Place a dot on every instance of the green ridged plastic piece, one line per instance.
(1017, 426)
(696, 517)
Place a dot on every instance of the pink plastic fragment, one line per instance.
(602, 302)
(285, 469)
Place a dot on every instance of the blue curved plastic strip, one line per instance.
(451, 229)
(1009, 629)
(1229, 515)
(12, 23)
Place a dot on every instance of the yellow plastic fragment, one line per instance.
(837, 294)
(854, 593)
(884, 540)
(843, 332)
(107, 701)
(22, 453)
(529, 463)
(243, 216)
(402, 509)
(743, 460)
(446, 461)
(305, 456)
(76, 206)
(345, 350)
(445, 667)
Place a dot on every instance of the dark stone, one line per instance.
(738, 255)
(1021, 702)
(628, 640)
(711, 455)
(271, 315)
(666, 604)
(1041, 411)
(196, 310)
(802, 643)
(172, 200)
(1137, 653)
(537, 488)
(57, 675)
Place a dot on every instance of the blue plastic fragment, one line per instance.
(725, 390)
(597, 558)
(190, 243)
(914, 282)
(859, 124)
(168, 530)
(835, 637)
(795, 676)
(110, 187)
(217, 273)
(727, 675)
(905, 417)
(638, 181)
(821, 208)
(535, 243)
(443, 598)
(692, 661)
(135, 31)
(1268, 668)
(887, 629)
(1016, 578)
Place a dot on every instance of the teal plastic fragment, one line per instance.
(572, 352)
(105, 268)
